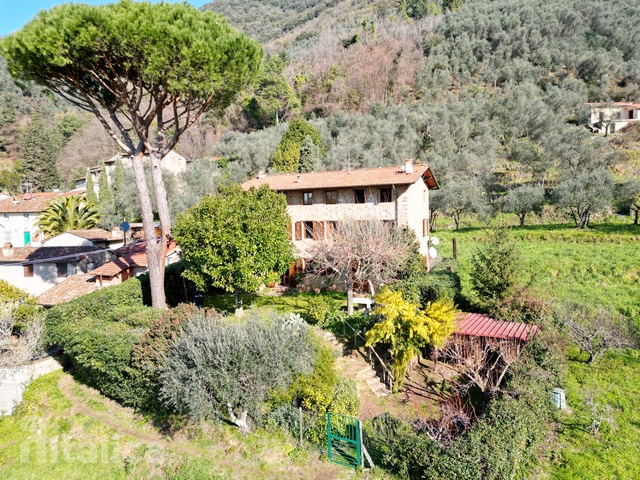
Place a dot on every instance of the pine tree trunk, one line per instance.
(154, 249)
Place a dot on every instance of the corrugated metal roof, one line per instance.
(363, 177)
(480, 325)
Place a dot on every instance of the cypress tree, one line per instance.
(309, 155)
(39, 154)
(106, 195)
(91, 189)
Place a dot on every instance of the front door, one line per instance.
(27, 239)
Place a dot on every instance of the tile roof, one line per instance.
(479, 325)
(72, 287)
(616, 104)
(40, 254)
(30, 202)
(134, 255)
(344, 179)
(96, 235)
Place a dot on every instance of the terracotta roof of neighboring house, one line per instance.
(616, 104)
(41, 254)
(96, 235)
(479, 325)
(112, 268)
(363, 177)
(72, 287)
(31, 202)
(132, 256)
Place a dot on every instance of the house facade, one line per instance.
(94, 237)
(397, 195)
(37, 269)
(19, 214)
(611, 117)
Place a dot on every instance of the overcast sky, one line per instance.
(15, 13)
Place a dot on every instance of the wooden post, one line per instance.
(455, 249)
(300, 441)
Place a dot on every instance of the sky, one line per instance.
(15, 13)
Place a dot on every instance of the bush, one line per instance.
(524, 307)
(226, 369)
(423, 288)
(320, 309)
(315, 390)
(345, 399)
(97, 335)
(26, 307)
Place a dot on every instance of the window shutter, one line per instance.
(318, 230)
(298, 230)
(424, 227)
(289, 229)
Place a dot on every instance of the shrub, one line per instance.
(423, 288)
(523, 306)
(225, 369)
(315, 390)
(345, 399)
(26, 307)
(320, 309)
(97, 335)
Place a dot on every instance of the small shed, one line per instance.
(480, 325)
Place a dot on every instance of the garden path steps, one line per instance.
(353, 365)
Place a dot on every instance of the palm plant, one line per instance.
(68, 213)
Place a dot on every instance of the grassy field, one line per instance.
(600, 266)
(63, 429)
(286, 303)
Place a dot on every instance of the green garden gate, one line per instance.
(344, 443)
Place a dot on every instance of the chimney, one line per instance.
(408, 166)
(8, 250)
(261, 175)
(299, 179)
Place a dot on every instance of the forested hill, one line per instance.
(268, 20)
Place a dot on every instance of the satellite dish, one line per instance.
(433, 253)
(125, 227)
(434, 241)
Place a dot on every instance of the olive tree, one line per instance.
(224, 368)
(236, 240)
(523, 200)
(147, 72)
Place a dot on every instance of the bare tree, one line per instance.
(457, 417)
(484, 361)
(16, 351)
(360, 251)
(596, 330)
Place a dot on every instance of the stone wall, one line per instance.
(14, 381)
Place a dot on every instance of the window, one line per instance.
(28, 270)
(308, 229)
(7, 236)
(6, 216)
(385, 195)
(25, 215)
(359, 195)
(61, 269)
(331, 197)
(307, 198)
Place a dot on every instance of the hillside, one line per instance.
(270, 20)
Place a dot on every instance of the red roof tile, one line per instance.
(42, 254)
(72, 287)
(36, 202)
(96, 235)
(479, 325)
(344, 179)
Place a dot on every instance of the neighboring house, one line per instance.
(37, 269)
(397, 195)
(131, 262)
(19, 214)
(94, 237)
(611, 117)
(172, 162)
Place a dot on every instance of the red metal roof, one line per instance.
(479, 325)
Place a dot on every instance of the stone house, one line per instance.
(94, 237)
(398, 195)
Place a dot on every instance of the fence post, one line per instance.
(300, 443)
(455, 249)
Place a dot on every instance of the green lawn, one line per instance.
(297, 303)
(63, 429)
